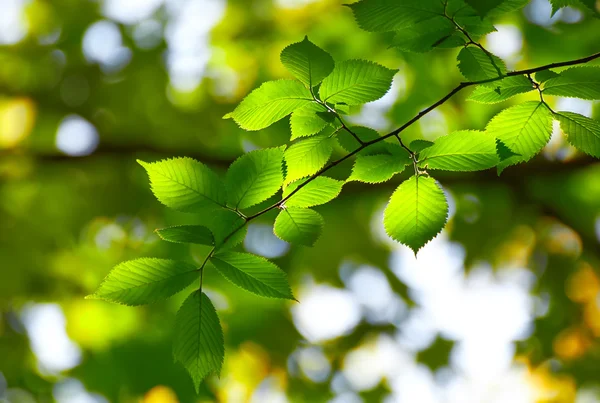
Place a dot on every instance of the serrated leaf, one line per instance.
(307, 62)
(196, 234)
(391, 15)
(477, 65)
(318, 191)
(254, 177)
(503, 151)
(416, 146)
(525, 129)
(416, 213)
(306, 157)
(185, 184)
(586, 5)
(377, 168)
(298, 225)
(501, 90)
(253, 273)
(309, 120)
(146, 280)
(269, 103)
(356, 82)
(465, 150)
(582, 132)
(545, 75)
(577, 82)
(198, 343)
(228, 228)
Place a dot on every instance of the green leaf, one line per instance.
(253, 273)
(197, 234)
(582, 132)
(425, 36)
(269, 103)
(198, 343)
(416, 146)
(146, 280)
(319, 191)
(525, 129)
(185, 184)
(298, 226)
(545, 75)
(465, 150)
(377, 168)
(228, 228)
(416, 213)
(483, 7)
(503, 151)
(477, 65)
(356, 82)
(254, 177)
(391, 15)
(306, 157)
(586, 5)
(501, 90)
(307, 62)
(577, 82)
(309, 120)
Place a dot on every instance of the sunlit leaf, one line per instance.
(356, 82)
(254, 177)
(501, 90)
(197, 234)
(307, 156)
(253, 273)
(198, 343)
(146, 280)
(465, 150)
(269, 103)
(477, 65)
(582, 132)
(318, 191)
(577, 82)
(391, 15)
(309, 120)
(307, 62)
(298, 225)
(185, 184)
(377, 168)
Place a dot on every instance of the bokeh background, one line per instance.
(504, 306)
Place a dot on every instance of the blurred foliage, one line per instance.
(66, 220)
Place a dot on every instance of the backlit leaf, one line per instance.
(307, 62)
(377, 168)
(298, 225)
(197, 234)
(577, 82)
(318, 191)
(477, 65)
(307, 156)
(582, 132)
(465, 150)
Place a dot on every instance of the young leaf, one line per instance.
(298, 225)
(558, 4)
(228, 228)
(306, 157)
(465, 150)
(254, 177)
(416, 213)
(197, 234)
(185, 184)
(307, 62)
(320, 190)
(501, 90)
(377, 168)
(269, 103)
(477, 65)
(356, 82)
(577, 82)
(146, 280)
(253, 273)
(525, 129)
(391, 15)
(309, 120)
(582, 132)
(198, 343)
